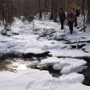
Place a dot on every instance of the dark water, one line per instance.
(54, 73)
(87, 74)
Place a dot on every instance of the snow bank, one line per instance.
(87, 48)
(72, 78)
(70, 53)
(40, 80)
(67, 65)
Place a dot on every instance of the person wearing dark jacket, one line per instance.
(70, 18)
(62, 17)
(76, 14)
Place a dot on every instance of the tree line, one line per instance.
(29, 8)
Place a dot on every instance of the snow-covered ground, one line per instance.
(37, 37)
(40, 80)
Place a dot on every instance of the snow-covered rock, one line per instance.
(65, 65)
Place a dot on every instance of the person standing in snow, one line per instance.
(76, 14)
(62, 17)
(70, 18)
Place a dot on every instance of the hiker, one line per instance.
(76, 14)
(62, 17)
(70, 18)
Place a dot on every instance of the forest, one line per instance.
(29, 8)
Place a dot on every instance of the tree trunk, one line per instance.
(54, 10)
(88, 7)
(40, 10)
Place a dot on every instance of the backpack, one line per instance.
(71, 17)
(62, 15)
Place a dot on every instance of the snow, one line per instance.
(66, 65)
(87, 48)
(69, 53)
(36, 80)
(33, 64)
(28, 40)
